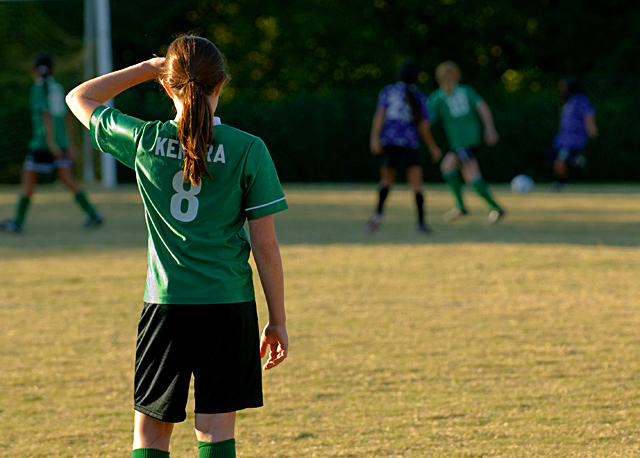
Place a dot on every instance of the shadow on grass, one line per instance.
(537, 228)
(336, 214)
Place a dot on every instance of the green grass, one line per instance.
(514, 340)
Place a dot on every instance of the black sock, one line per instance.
(383, 193)
(420, 205)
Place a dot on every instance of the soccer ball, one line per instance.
(522, 184)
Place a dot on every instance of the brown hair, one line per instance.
(408, 74)
(193, 68)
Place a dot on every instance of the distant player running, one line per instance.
(51, 148)
(465, 117)
(200, 181)
(400, 119)
(577, 126)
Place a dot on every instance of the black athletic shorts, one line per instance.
(218, 344)
(464, 154)
(394, 156)
(42, 161)
(574, 157)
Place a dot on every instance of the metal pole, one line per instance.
(88, 167)
(105, 65)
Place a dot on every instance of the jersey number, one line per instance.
(181, 195)
(458, 104)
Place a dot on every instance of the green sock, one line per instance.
(149, 453)
(481, 187)
(21, 210)
(82, 200)
(223, 449)
(456, 183)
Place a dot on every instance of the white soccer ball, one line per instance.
(521, 184)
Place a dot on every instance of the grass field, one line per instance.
(514, 340)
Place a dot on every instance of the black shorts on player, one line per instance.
(42, 161)
(394, 156)
(464, 154)
(218, 344)
(573, 157)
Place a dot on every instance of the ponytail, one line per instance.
(43, 65)
(408, 74)
(195, 131)
(414, 104)
(193, 69)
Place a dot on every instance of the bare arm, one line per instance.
(266, 253)
(590, 125)
(490, 134)
(376, 129)
(49, 134)
(89, 95)
(424, 128)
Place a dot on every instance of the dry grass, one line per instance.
(515, 340)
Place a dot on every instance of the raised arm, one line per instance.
(266, 253)
(84, 99)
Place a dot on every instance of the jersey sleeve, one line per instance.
(474, 97)
(383, 98)
(263, 193)
(586, 108)
(424, 106)
(38, 99)
(433, 107)
(115, 133)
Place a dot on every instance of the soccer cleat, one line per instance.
(424, 229)
(454, 213)
(495, 216)
(93, 221)
(373, 224)
(10, 226)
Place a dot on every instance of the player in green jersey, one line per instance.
(200, 181)
(51, 148)
(466, 117)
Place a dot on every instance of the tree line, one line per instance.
(315, 67)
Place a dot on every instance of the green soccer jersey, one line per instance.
(459, 116)
(48, 95)
(198, 250)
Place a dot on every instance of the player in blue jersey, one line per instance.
(577, 126)
(51, 148)
(401, 117)
(200, 181)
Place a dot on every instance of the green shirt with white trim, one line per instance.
(459, 115)
(198, 250)
(48, 95)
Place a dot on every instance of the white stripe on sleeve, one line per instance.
(96, 132)
(264, 205)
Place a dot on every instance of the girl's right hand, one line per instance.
(376, 147)
(157, 65)
(275, 339)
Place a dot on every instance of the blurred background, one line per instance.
(306, 74)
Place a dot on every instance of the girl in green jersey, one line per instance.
(50, 148)
(200, 181)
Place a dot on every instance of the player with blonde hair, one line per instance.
(467, 120)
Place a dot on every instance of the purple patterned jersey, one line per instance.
(399, 128)
(573, 132)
